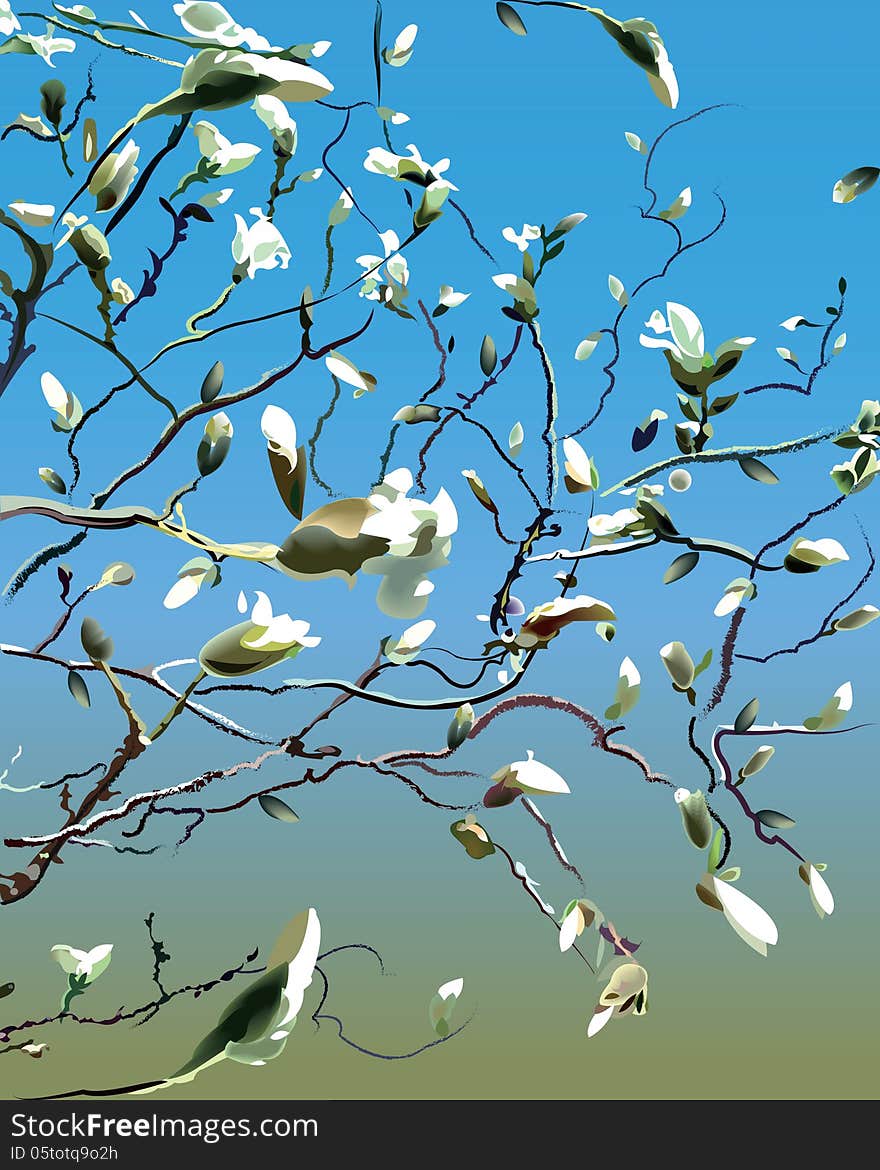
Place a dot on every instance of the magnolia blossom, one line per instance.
(86, 965)
(33, 214)
(47, 44)
(530, 775)
(687, 345)
(395, 266)
(271, 632)
(215, 198)
(71, 222)
(752, 923)
(273, 113)
(413, 168)
(576, 918)
(791, 323)
(34, 123)
(211, 22)
(271, 1039)
(279, 430)
(820, 553)
(224, 157)
(112, 180)
(123, 293)
(609, 525)
(453, 988)
(625, 993)
(520, 289)
(258, 245)
(548, 619)
(8, 19)
(820, 894)
(402, 49)
(530, 231)
(738, 591)
(35, 1050)
(450, 298)
(398, 519)
(395, 117)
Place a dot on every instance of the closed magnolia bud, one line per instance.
(857, 618)
(695, 817)
(424, 412)
(215, 443)
(213, 383)
(679, 664)
(460, 727)
(499, 795)
(91, 247)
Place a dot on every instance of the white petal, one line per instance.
(183, 591)
(599, 1020)
(821, 893)
(745, 914)
(261, 614)
(844, 696)
(569, 929)
(242, 602)
(54, 393)
(453, 987)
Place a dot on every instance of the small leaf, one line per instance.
(636, 143)
(680, 567)
(76, 684)
(515, 440)
(585, 348)
(773, 819)
(757, 470)
(53, 480)
(746, 717)
(510, 18)
(615, 287)
(839, 344)
(715, 850)
(213, 383)
(488, 356)
(90, 140)
(278, 809)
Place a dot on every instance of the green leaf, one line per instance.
(277, 808)
(680, 567)
(757, 470)
(213, 383)
(773, 819)
(510, 18)
(76, 684)
(746, 717)
(704, 663)
(488, 356)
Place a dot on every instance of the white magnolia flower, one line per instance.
(384, 162)
(35, 1050)
(395, 117)
(215, 198)
(630, 672)
(54, 393)
(530, 775)
(123, 293)
(608, 525)
(402, 49)
(530, 231)
(47, 44)
(258, 245)
(280, 432)
(687, 345)
(224, 157)
(415, 636)
(300, 970)
(519, 288)
(90, 964)
(395, 265)
(450, 298)
(752, 923)
(819, 552)
(626, 993)
(273, 632)
(738, 591)
(211, 22)
(189, 581)
(8, 19)
(112, 180)
(398, 519)
(33, 214)
(791, 323)
(71, 222)
(820, 894)
(273, 113)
